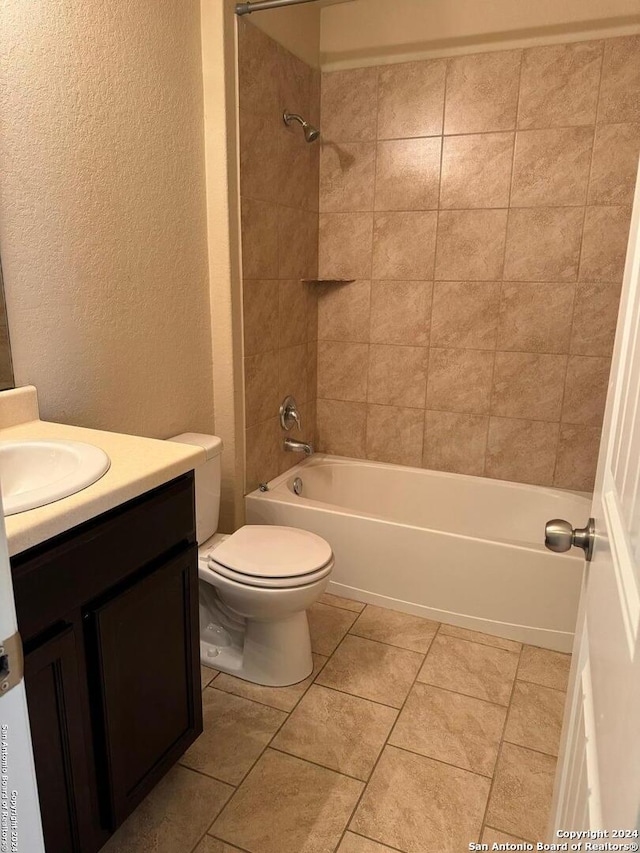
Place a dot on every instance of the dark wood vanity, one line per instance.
(108, 614)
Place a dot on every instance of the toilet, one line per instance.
(255, 586)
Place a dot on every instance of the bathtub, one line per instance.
(463, 550)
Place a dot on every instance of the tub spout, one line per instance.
(294, 446)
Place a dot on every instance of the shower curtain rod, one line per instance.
(262, 5)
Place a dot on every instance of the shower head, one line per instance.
(311, 133)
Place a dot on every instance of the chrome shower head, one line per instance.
(311, 133)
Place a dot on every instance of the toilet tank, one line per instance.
(208, 476)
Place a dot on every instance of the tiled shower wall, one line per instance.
(279, 190)
(482, 204)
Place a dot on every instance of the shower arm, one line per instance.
(263, 5)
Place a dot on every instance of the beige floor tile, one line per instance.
(395, 628)
(286, 805)
(328, 625)
(492, 836)
(470, 668)
(344, 733)
(372, 670)
(522, 791)
(174, 815)
(235, 733)
(421, 806)
(535, 717)
(284, 698)
(207, 675)
(213, 845)
(344, 603)
(542, 666)
(483, 639)
(352, 843)
(450, 727)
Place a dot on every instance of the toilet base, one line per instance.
(273, 653)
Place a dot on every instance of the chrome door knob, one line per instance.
(560, 536)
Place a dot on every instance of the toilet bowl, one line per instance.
(255, 587)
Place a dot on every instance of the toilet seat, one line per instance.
(272, 557)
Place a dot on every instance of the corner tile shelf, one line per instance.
(327, 280)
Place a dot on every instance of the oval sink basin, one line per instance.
(36, 473)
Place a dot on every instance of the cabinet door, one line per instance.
(55, 715)
(145, 666)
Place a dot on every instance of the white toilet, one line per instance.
(255, 586)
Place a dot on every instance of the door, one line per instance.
(598, 783)
(19, 809)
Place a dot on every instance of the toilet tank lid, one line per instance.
(211, 444)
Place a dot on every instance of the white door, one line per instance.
(20, 827)
(598, 784)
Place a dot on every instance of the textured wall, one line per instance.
(279, 190)
(482, 203)
(103, 218)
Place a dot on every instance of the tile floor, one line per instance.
(409, 736)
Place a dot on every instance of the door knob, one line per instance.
(559, 536)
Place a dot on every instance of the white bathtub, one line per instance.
(464, 550)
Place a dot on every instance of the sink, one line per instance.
(36, 473)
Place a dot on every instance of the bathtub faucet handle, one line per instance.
(289, 414)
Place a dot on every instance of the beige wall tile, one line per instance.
(396, 628)
(235, 733)
(259, 161)
(404, 245)
(408, 174)
(615, 163)
(482, 92)
(297, 243)
(293, 310)
(292, 374)
(260, 315)
(476, 170)
(595, 318)
(371, 670)
(415, 803)
(259, 239)
(559, 85)
(459, 380)
(327, 627)
(536, 317)
(465, 314)
(258, 58)
(543, 244)
(349, 105)
(577, 457)
(261, 387)
(551, 167)
(342, 371)
(604, 245)
(455, 442)
(298, 168)
(294, 82)
(400, 312)
(397, 375)
(343, 312)
(470, 244)
(535, 717)
(449, 727)
(394, 435)
(286, 804)
(585, 372)
(522, 451)
(522, 790)
(411, 99)
(338, 731)
(342, 428)
(347, 176)
(620, 86)
(470, 668)
(345, 245)
(262, 449)
(543, 666)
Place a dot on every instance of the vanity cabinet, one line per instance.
(108, 614)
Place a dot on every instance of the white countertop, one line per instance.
(137, 465)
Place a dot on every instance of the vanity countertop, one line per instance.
(137, 465)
